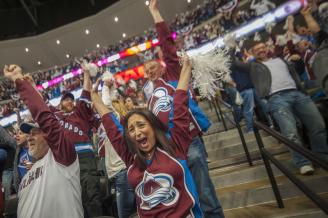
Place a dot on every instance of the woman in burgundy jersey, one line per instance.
(156, 161)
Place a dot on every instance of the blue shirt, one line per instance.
(23, 156)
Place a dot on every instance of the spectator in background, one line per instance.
(76, 120)
(7, 153)
(129, 103)
(321, 32)
(23, 160)
(262, 6)
(116, 169)
(277, 80)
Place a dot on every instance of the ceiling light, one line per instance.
(67, 56)
(98, 45)
(26, 49)
(147, 3)
(116, 19)
(124, 35)
(189, 1)
(39, 62)
(58, 42)
(87, 31)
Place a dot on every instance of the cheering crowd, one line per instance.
(183, 24)
(148, 133)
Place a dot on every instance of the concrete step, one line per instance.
(218, 127)
(241, 158)
(231, 133)
(260, 192)
(297, 207)
(236, 141)
(248, 175)
(221, 151)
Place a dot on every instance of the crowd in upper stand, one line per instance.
(188, 25)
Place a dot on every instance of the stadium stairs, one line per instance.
(245, 191)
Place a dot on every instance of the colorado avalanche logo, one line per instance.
(163, 102)
(156, 189)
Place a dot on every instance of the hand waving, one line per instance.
(13, 72)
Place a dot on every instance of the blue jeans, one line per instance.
(124, 195)
(248, 107)
(285, 107)
(197, 163)
(7, 182)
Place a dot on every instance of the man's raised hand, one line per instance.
(153, 5)
(13, 72)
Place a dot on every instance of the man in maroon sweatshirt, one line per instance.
(77, 118)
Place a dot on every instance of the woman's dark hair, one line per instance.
(160, 130)
(132, 99)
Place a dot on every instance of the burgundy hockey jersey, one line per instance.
(166, 187)
(161, 100)
(78, 122)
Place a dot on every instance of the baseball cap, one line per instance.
(26, 127)
(67, 95)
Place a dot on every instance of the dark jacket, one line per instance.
(8, 143)
(321, 60)
(260, 74)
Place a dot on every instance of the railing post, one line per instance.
(242, 138)
(217, 107)
(268, 169)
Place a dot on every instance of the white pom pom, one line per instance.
(230, 40)
(281, 40)
(257, 37)
(133, 84)
(93, 69)
(107, 76)
(208, 70)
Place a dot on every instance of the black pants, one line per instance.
(89, 178)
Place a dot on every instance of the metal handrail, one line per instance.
(292, 145)
(240, 132)
(267, 156)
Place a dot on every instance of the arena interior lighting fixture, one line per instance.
(87, 32)
(58, 42)
(116, 19)
(98, 45)
(67, 55)
(39, 62)
(147, 3)
(124, 35)
(26, 49)
(288, 8)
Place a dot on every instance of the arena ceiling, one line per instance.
(38, 24)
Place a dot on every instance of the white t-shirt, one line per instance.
(113, 162)
(281, 78)
(50, 190)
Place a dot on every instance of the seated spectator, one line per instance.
(277, 80)
(320, 60)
